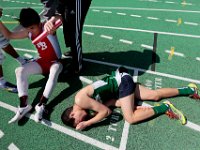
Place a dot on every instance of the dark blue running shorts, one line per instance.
(127, 86)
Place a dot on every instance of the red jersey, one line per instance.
(48, 48)
(49, 52)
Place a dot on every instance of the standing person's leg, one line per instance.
(72, 27)
(55, 70)
(22, 74)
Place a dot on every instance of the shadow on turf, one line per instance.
(131, 58)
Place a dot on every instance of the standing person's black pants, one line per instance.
(73, 13)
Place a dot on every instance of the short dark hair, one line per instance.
(122, 69)
(28, 17)
(70, 121)
(65, 117)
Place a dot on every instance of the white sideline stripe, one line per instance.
(146, 9)
(123, 14)
(10, 8)
(169, 20)
(149, 0)
(133, 68)
(169, 2)
(124, 136)
(89, 33)
(25, 50)
(65, 130)
(12, 146)
(106, 37)
(135, 16)
(152, 1)
(175, 53)
(21, 2)
(126, 41)
(186, 3)
(108, 12)
(147, 46)
(198, 58)
(28, 55)
(1, 134)
(191, 23)
(141, 30)
(95, 10)
(193, 126)
(152, 18)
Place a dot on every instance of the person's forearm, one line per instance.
(12, 35)
(5, 31)
(99, 117)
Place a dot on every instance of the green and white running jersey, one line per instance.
(106, 89)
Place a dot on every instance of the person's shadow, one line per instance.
(105, 62)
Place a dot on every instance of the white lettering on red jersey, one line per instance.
(48, 48)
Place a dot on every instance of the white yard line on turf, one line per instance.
(1, 134)
(141, 30)
(147, 46)
(124, 137)
(125, 132)
(13, 8)
(145, 9)
(65, 130)
(175, 53)
(12, 146)
(25, 50)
